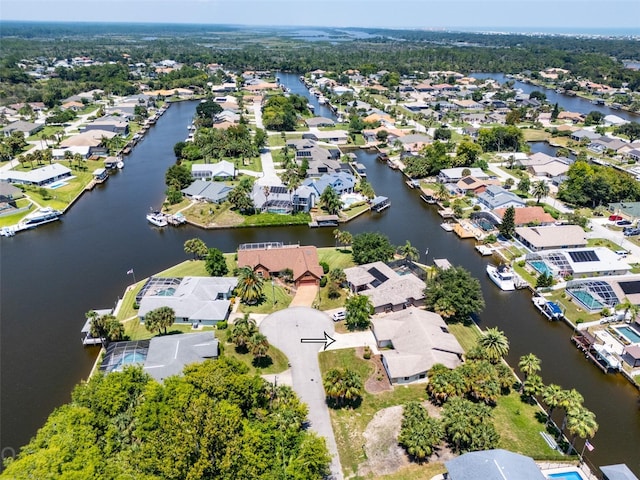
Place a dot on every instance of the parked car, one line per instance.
(633, 232)
(621, 223)
(341, 315)
(614, 218)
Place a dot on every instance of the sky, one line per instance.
(503, 15)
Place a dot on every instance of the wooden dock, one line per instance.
(584, 342)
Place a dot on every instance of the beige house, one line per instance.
(552, 237)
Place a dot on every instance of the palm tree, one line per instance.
(442, 193)
(243, 330)
(409, 252)
(249, 286)
(258, 345)
(533, 386)
(529, 365)
(331, 200)
(552, 395)
(582, 423)
(342, 386)
(569, 400)
(495, 343)
(540, 189)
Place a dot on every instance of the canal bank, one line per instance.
(53, 275)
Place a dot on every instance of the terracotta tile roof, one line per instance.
(299, 259)
(526, 215)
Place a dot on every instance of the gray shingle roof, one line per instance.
(493, 465)
(169, 355)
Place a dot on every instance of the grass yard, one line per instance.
(355, 210)
(279, 361)
(416, 472)
(269, 219)
(519, 428)
(571, 310)
(327, 303)
(282, 300)
(467, 335)
(210, 215)
(534, 135)
(336, 257)
(603, 242)
(136, 331)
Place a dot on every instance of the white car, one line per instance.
(339, 316)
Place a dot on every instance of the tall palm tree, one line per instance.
(533, 386)
(409, 252)
(529, 365)
(342, 386)
(552, 395)
(569, 400)
(249, 286)
(540, 189)
(495, 343)
(442, 193)
(258, 345)
(243, 329)
(582, 423)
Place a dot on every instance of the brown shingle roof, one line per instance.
(299, 259)
(526, 215)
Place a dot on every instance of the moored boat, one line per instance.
(549, 309)
(40, 217)
(157, 218)
(502, 276)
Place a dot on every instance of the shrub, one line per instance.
(325, 267)
(323, 282)
(222, 325)
(367, 353)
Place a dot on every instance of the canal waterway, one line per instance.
(51, 276)
(567, 102)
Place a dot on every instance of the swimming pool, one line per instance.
(484, 224)
(629, 333)
(586, 299)
(571, 475)
(128, 359)
(351, 198)
(541, 267)
(55, 185)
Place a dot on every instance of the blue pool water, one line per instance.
(629, 333)
(541, 267)
(484, 224)
(586, 299)
(566, 476)
(128, 359)
(167, 292)
(53, 186)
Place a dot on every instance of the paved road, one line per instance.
(269, 176)
(284, 329)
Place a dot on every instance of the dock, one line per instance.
(585, 342)
(442, 263)
(428, 199)
(380, 203)
(324, 221)
(484, 250)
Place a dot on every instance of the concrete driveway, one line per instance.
(305, 295)
(285, 329)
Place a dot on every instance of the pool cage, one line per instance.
(158, 285)
(120, 354)
(593, 295)
(551, 262)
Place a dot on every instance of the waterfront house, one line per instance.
(497, 197)
(212, 192)
(579, 262)
(475, 185)
(9, 194)
(316, 122)
(223, 170)
(195, 300)
(542, 165)
(414, 341)
(27, 128)
(530, 216)
(330, 136)
(453, 175)
(578, 135)
(493, 465)
(414, 142)
(388, 290)
(551, 236)
(271, 260)
(117, 125)
(341, 182)
(40, 176)
(94, 139)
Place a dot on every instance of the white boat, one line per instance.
(447, 227)
(502, 276)
(158, 219)
(7, 231)
(40, 217)
(549, 309)
(607, 357)
(120, 164)
(322, 100)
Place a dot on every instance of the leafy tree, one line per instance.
(178, 177)
(630, 129)
(105, 327)
(495, 343)
(524, 184)
(215, 263)
(343, 387)
(338, 276)
(507, 227)
(260, 138)
(159, 319)
(366, 189)
(454, 294)
(174, 195)
(258, 345)
(540, 189)
(555, 112)
(240, 198)
(445, 383)
(178, 149)
(196, 247)
(442, 133)
(358, 312)
(544, 280)
(538, 95)
(594, 117)
(501, 138)
(371, 247)
(419, 433)
(467, 153)
(249, 285)
(330, 200)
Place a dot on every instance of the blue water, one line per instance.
(629, 333)
(167, 292)
(586, 299)
(53, 186)
(566, 476)
(541, 267)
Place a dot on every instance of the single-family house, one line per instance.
(453, 175)
(475, 185)
(416, 341)
(414, 142)
(497, 197)
(542, 165)
(551, 237)
(319, 122)
(330, 136)
(220, 170)
(93, 139)
(74, 106)
(117, 125)
(388, 290)
(213, 192)
(528, 216)
(580, 263)
(493, 465)
(9, 195)
(195, 300)
(271, 260)
(27, 128)
(341, 182)
(40, 176)
(578, 135)
(619, 471)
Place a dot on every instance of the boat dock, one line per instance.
(549, 309)
(380, 203)
(442, 263)
(324, 221)
(484, 250)
(586, 343)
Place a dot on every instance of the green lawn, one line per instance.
(336, 257)
(268, 219)
(467, 335)
(534, 135)
(282, 300)
(279, 361)
(136, 331)
(519, 428)
(355, 211)
(571, 309)
(603, 242)
(327, 303)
